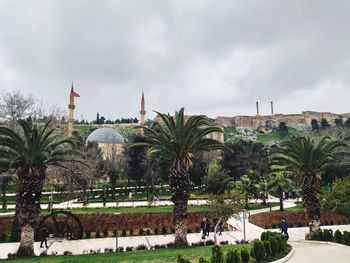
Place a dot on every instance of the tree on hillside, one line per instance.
(283, 129)
(338, 122)
(239, 157)
(29, 152)
(347, 123)
(280, 183)
(314, 125)
(177, 139)
(324, 124)
(306, 159)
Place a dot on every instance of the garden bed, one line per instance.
(270, 220)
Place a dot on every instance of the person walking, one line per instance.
(204, 227)
(284, 229)
(207, 226)
(44, 234)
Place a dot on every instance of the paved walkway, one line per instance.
(309, 252)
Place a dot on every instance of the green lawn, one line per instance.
(265, 138)
(298, 208)
(149, 256)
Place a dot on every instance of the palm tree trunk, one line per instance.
(30, 185)
(281, 201)
(180, 185)
(246, 206)
(310, 187)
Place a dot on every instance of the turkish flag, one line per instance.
(75, 94)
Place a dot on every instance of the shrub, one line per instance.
(159, 246)
(300, 224)
(87, 234)
(109, 250)
(67, 253)
(202, 260)
(105, 233)
(327, 235)
(148, 232)
(281, 244)
(181, 259)
(3, 237)
(244, 255)
(216, 255)
(131, 232)
(98, 234)
(189, 230)
(128, 248)
(141, 232)
(164, 230)
(338, 236)
(173, 230)
(120, 249)
(232, 256)
(331, 222)
(267, 248)
(266, 226)
(346, 237)
(224, 242)
(264, 236)
(198, 229)
(141, 247)
(209, 242)
(258, 250)
(170, 244)
(274, 225)
(156, 231)
(273, 246)
(124, 232)
(291, 225)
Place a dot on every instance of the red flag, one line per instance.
(75, 94)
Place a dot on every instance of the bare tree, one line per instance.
(14, 105)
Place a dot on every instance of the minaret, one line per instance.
(142, 112)
(71, 108)
(271, 107)
(257, 108)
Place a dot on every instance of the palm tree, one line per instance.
(279, 182)
(176, 139)
(28, 152)
(306, 159)
(248, 188)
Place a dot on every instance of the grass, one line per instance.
(266, 138)
(145, 210)
(296, 209)
(148, 256)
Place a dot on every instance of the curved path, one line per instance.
(308, 252)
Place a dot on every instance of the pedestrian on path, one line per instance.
(204, 227)
(284, 229)
(207, 227)
(44, 234)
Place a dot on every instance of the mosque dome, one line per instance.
(105, 135)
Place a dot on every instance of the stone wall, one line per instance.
(291, 119)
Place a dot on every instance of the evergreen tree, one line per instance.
(324, 124)
(314, 125)
(338, 122)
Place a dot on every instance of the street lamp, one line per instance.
(245, 214)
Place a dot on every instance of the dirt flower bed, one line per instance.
(93, 223)
(295, 219)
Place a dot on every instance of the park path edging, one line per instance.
(286, 258)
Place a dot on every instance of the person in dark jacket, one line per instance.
(44, 234)
(284, 229)
(207, 227)
(204, 227)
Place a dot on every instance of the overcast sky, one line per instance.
(211, 57)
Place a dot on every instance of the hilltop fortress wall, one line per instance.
(290, 119)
